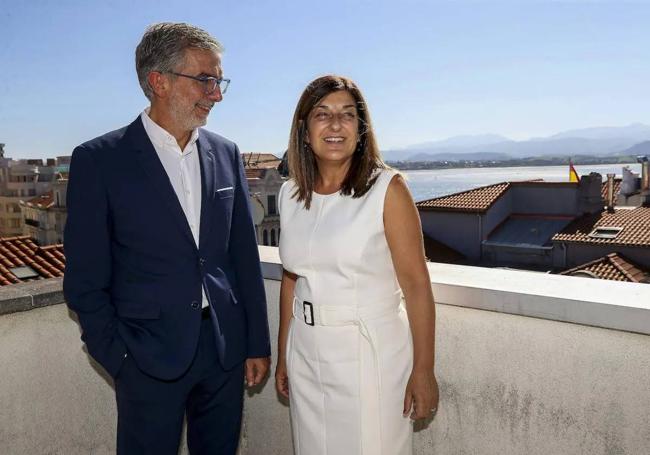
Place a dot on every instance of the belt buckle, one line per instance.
(305, 305)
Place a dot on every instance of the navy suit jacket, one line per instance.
(133, 271)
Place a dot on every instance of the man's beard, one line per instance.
(183, 113)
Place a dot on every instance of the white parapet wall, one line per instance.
(527, 363)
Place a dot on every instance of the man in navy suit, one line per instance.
(162, 266)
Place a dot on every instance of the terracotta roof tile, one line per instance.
(634, 225)
(45, 200)
(48, 261)
(613, 267)
(479, 199)
(476, 200)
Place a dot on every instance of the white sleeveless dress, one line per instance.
(348, 371)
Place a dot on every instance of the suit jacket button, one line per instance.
(195, 304)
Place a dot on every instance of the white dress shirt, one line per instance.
(184, 172)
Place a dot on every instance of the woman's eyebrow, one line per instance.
(326, 106)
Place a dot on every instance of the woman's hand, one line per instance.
(286, 313)
(281, 379)
(421, 397)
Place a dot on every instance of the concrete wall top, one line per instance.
(586, 301)
(599, 303)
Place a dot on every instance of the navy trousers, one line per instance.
(150, 411)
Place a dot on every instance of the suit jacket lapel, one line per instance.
(153, 168)
(208, 173)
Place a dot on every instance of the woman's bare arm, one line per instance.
(404, 237)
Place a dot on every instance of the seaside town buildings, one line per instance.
(587, 228)
(23, 180)
(45, 215)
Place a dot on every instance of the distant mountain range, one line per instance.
(603, 141)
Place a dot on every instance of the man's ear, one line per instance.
(159, 83)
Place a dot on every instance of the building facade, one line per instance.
(44, 216)
(264, 182)
(22, 180)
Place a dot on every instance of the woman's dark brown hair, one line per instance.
(303, 167)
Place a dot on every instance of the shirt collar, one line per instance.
(159, 136)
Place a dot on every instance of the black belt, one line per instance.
(205, 313)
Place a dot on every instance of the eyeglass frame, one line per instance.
(204, 80)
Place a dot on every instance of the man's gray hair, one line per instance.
(163, 46)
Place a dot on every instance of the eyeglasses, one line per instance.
(210, 84)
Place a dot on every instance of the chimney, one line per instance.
(610, 192)
(589, 197)
(645, 179)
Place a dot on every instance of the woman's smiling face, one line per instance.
(333, 127)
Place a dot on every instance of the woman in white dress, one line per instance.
(355, 363)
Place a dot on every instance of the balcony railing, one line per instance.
(527, 363)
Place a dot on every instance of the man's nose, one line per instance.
(216, 96)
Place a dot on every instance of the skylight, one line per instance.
(24, 272)
(605, 232)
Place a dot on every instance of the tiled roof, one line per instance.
(476, 200)
(44, 201)
(260, 161)
(613, 267)
(436, 251)
(634, 224)
(480, 199)
(47, 261)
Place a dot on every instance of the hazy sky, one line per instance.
(429, 69)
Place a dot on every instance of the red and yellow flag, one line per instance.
(573, 175)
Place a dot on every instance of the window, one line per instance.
(273, 237)
(605, 232)
(273, 210)
(14, 223)
(265, 237)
